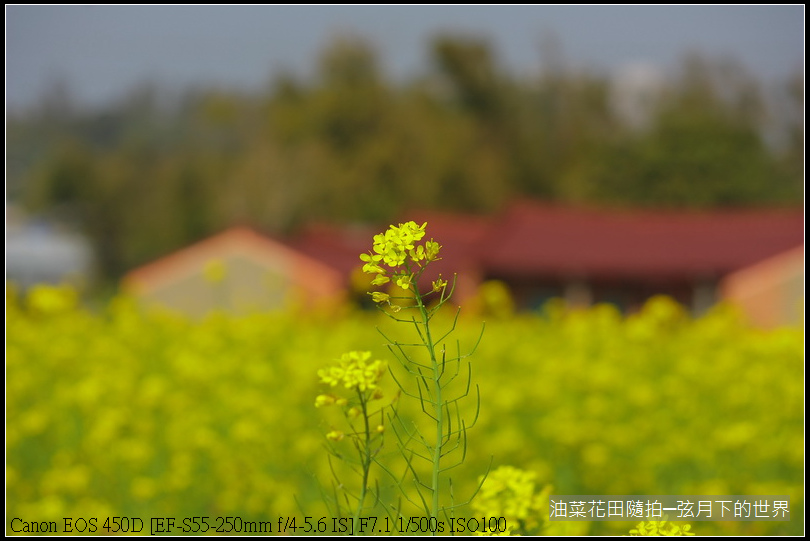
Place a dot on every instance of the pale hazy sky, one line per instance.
(103, 51)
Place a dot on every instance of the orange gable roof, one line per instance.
(770, 292)
(238, 241)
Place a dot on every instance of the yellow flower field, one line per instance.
(120, 413)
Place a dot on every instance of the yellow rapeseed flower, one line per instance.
(378, 296)
(439, 284)
(324, 400)
(46, 299)
(396, 251)
(353, 369)
(432, 250)
(404, 281)
(508, 492)
(394, 246)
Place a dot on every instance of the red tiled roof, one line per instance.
(545, 240)
(337, 246)
(459, 236)
(541, 240)
(340, 246)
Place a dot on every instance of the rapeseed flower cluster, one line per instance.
(353, 370)
(510, 493)
(396, 251)
(169, 426)
(49, 300)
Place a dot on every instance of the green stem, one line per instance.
(438, 409)
(365, 456)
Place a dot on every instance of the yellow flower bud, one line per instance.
(380, 429)
(323, 400)
(432, 250)
(439, 284)
(335, 435)
(341, 402)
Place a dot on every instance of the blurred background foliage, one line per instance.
(120, 412)
(152, 174)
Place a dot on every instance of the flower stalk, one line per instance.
(398, 259)
(355, 371)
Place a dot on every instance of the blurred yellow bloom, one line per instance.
(353, 369)
(510, 493)
(143, 488)
(215, 271)
(170, 397)
(324, 400)
(335, 435)
(45, 299)
(661, 527)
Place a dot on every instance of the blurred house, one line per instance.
(340, 248)
(588, 256)
(625, 257)
(238, 271)
(539, 251)
(771, 292)
(41, 253)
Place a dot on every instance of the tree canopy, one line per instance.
(144, 177)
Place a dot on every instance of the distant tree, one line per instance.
(704, 147)
(145, 176)
(470, 71)
(792, 157)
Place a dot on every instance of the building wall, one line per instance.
(239, 272)
(770, 293)
(626, 295)
(243, 287)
